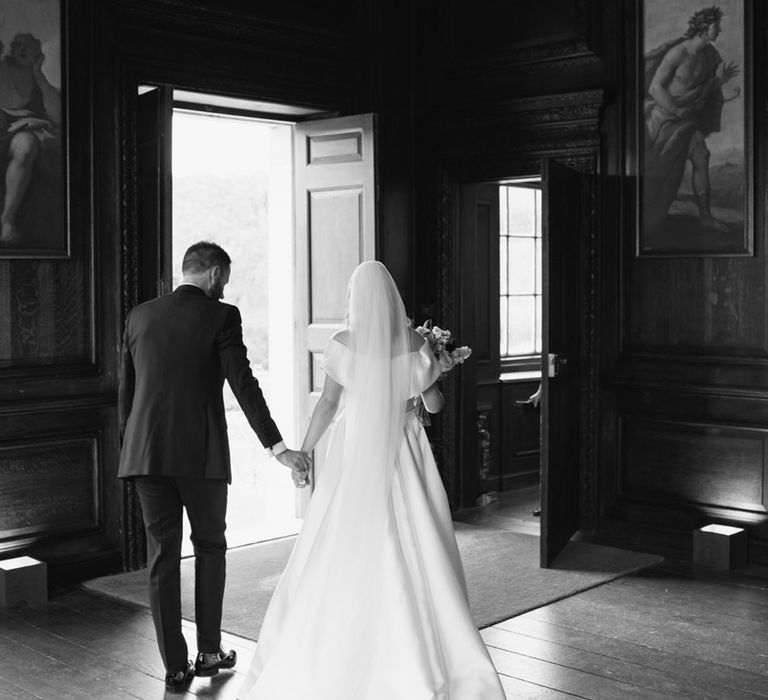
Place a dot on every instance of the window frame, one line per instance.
(532, 361)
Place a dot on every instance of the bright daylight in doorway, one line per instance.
(232, 184)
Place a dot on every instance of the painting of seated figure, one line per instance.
(33, 220)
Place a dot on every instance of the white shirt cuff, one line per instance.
(277, 449)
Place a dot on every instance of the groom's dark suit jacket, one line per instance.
(177, 351)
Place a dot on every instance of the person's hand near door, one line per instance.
(299, 463)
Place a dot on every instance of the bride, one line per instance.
(373, 602)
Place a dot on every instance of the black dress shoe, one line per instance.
(210, 664)
(179, 682)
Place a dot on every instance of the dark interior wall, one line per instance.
(673, 391)
(502, 85)
(58, 363)
(61, 319)
(684, 350)
(673, 394)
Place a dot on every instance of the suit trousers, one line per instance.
(162, 501)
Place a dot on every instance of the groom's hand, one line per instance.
(295, 460)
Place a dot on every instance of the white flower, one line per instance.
(461, 354)
(445, 360)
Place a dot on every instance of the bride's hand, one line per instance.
(298, 461)
(300, 478)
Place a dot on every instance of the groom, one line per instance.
(177, 351)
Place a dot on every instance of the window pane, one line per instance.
(521, 204)
(538, 212)
(522, 266)
(503, 327)
(503, 211)
(503, 265)
(538, 324)
(521, 315)
(538, 266)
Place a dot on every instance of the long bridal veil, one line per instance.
(329, 615)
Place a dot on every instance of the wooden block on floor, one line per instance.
(23, 580)
(720, 547)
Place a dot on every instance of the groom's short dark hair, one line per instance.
(203, 256)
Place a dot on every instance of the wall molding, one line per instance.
(58, 509)
(509, 138)
(678, 436)
(581, 47)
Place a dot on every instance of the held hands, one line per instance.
(300, 479)
(299, 463)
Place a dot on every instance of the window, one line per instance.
(520, 271)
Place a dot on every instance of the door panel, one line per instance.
(560, 337)
(479, 328)
(154, 214)
(335, 231)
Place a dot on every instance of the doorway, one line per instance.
(292, 197)
(519, 266)
(232, 183)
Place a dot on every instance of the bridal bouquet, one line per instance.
(448, 354)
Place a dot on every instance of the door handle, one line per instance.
(555, 364)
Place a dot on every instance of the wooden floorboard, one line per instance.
(567, 679)
(513, 512)
(521, 690)
(667, 632)
(714, 639)
(715, 681)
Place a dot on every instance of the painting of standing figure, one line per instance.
(693, 170)
(32, 218)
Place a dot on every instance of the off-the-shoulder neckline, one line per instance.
(412, 352)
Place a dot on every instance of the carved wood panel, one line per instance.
(49, 486)
(509, 137)
(692, 464)
(514, 33)
(520, 434)
(713, 307)
(45, 314)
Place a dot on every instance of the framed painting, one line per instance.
(694, 126)
(33, 214)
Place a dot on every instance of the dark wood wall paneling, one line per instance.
(685, 349)
(507, 437)
(462, 96)
(57, 362)
(502, 86)
(60, 320)
(389, 93)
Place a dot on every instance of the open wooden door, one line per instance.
(560, 357)
(335, 231)
(153, 176)
(154, 110)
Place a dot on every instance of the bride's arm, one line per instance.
(433, 399)
(323, 414)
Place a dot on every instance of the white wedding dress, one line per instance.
(370, 610)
